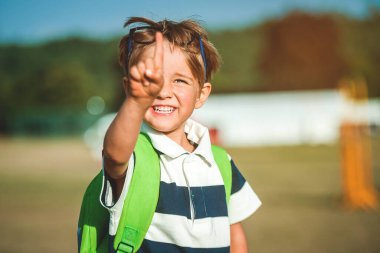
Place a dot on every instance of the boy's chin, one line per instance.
(163, 128)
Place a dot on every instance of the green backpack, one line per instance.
(139, 204)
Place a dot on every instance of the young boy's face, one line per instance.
(180, 95)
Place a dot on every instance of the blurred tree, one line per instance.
(54, 77)
(239, 50)
(70, 68)
(65, 85)
(301, 51)
(361, 49)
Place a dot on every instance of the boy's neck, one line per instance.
(180, 138)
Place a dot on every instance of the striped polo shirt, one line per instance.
(192, 214)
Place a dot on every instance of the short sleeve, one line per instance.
(243, 201)
(107, 199)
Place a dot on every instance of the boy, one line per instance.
(168, 67)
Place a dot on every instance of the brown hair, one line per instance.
(184, 35)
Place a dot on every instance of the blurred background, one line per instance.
(296, 103)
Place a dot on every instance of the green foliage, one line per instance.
(294, 52)
(60, 73)
(362, 50)
(46, 81)
(239, 51)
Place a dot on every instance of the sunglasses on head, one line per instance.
(146, 35)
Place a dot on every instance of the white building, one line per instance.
(276, 118)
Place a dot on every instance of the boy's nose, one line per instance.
(166, 91)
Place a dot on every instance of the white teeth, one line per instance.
(163, 109)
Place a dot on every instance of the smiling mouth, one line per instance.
(163, 109)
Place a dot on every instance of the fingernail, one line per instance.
(148, 72)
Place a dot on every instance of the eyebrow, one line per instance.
(183, 75)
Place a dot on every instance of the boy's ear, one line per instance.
(203, 95)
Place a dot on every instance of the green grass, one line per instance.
(42, 182)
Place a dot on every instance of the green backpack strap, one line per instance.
(93, 220)
(224, 164)
(141, 200)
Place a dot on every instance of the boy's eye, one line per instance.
(180, 81)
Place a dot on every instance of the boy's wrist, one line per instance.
(136, 105)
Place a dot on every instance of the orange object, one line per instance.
(356, 159)
(359, 191)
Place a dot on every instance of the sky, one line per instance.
(34, 21)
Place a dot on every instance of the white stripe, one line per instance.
(190, 169)
(242, 204)
(116, 210)
(178, 230)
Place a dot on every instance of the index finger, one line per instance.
(158, 51)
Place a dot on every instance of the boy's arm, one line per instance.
(144, 83)
(238, 239)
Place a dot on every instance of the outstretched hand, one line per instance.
(146, 78)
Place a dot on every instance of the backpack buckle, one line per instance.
(125, 248)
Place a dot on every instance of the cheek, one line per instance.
(187, 95)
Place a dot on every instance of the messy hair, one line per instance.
(178, 34)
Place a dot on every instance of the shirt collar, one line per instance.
(196, 133)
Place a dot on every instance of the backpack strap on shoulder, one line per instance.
(93, 220)
(224, 164)
(141, 200)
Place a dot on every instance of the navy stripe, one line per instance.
(111, 240)
(79, 237)
(151, 246)
(208, 201)
(237, 179)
